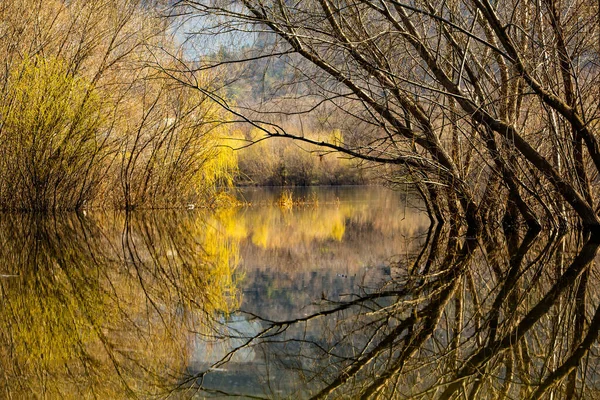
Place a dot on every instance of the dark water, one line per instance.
(348, 293)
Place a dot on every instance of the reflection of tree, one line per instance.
(498, 316)
(324, 222)
(94, 312)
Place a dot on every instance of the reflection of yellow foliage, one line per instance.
(275, 228)
(260, 236)
(227, 219)
(220, 256)
(108, 313)
(338, 231)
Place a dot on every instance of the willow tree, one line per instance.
(490, 108)
(85, 121)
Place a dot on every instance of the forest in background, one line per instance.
(259, 87)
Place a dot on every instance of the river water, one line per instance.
(343, 292)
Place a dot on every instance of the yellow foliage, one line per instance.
(51, 126)
(286, 200)
(337, 137)
(175, 148)
(87, 121)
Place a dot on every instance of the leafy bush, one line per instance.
(87, 117)
(50, 138)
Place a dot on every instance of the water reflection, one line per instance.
(458, 316)
(104, 306)
(350, 298)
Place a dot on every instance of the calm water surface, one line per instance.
(347, 294)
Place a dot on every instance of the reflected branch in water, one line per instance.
(92, 310)
(146, 305)
(460, 318)
(567, 280)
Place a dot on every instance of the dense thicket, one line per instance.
(86, 121)
(490, 108)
